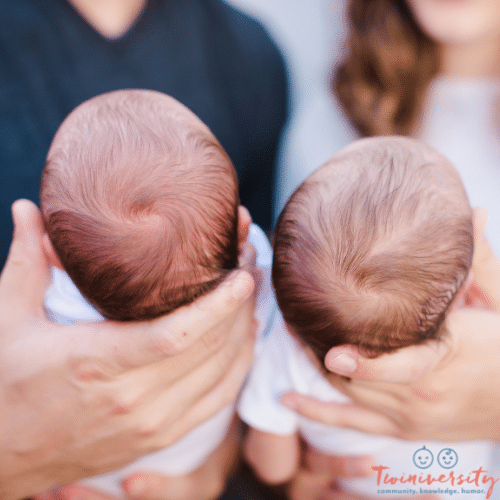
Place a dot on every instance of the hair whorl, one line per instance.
(140, 202)
(373, 247)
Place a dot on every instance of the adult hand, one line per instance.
(205, 483)
(318, 478)
(83, 399)
(442, 391)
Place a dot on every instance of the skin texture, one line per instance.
(317, 478)
(205, 482)
(458, 23)
(96, 396)
(111, 18)
(467, 32)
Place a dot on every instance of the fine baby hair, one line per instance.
(373, 247)
(140, 203)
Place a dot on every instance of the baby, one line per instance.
(141, 211)
(373, 249)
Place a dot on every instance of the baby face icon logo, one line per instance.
(447, 458)
(423, 458)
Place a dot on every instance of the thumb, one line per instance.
(404, 366)
(25, 274)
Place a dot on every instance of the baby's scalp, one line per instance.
(374, 246)
(140, 203)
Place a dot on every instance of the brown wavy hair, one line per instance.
(389, 63)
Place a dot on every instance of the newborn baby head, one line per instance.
(373, 247)
(140, 204)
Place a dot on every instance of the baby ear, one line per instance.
(50, 253)
(244, 221)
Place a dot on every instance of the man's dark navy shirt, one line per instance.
(215, 60)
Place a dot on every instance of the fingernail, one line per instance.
(343, 364)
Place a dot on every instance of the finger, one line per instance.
(340, 415)
(136, 344)
(307, 485)
(340, 495)
(226, 390)
(150, 486)
(201, 402)
(338, 466)
(77, 492)
(25, 275)
(47, 495)
(404, 366)
(209, 382)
